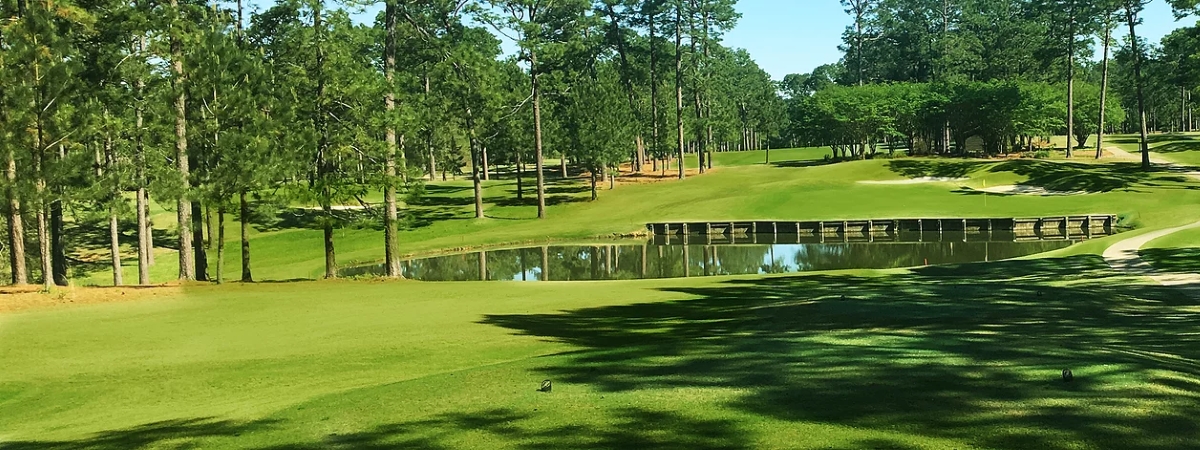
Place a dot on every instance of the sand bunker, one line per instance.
(914, 180)
(1024, 190)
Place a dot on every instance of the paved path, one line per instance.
(1123, 257)
(1189, 171)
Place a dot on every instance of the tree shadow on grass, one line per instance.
(1176, 260)
(530, 199)
(920, 168)
(1188, 145)
(1153, 139)
(151, 435)
(970, 352)
(1084, 177)
(799, 164)
(630, 427)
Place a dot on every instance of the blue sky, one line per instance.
(794, 36)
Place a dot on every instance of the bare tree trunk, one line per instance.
(323, 163)
(1131, 18)
(149, 229)
(200, 255)
(187, 269)
(114, 236)
(244, 211)
(327, 235)
(143, 218)
(208, 227)
(679, 84)
(486, 167)
(114, 226)
(654, 150)
(537, 135)
(44, 244)
(1070, 78)
(562, 162)
(475, 160)
(390, 214)
(58, 248)
(1103, 89)
(592, 177)
(16, 227)
(220, 244)
(429, 139)
(40, 195)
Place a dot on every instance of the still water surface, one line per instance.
(670, 258)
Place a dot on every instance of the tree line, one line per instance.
(927, 75)
(207, 107)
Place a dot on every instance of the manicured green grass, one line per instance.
(1177, 252)
(944, 357)
(1183, 148)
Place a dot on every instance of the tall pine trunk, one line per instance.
(537, 134)
(187, 268)
(429, 138)
(486, 169)
(652, 18)
(39, 168)
(390, 215)
(473, 145)
(1131, 18)
(679, 84)
(58, 248)
(114, 235)
(16, 226)
(198, 253)
(220, 244)
(149, 230)
(114, 226)
(208, 227)
(244, 212)
(1103, 90)
(143, 218)
(323, 163)
(1070, 78)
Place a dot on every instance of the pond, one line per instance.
(664, 257)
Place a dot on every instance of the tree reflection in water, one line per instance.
(635, 259)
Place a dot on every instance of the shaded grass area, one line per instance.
(1183, 148)
(1178, 252)
(941, 357)
(1062, 176)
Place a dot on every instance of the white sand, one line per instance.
(914, 180)
(1025, 190)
